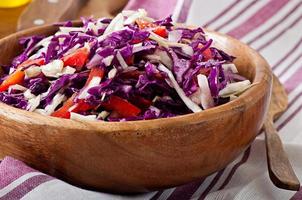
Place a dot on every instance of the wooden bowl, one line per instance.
(138, 156)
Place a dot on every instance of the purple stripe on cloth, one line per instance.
(183, 15)
(290, 118)
(157, 195)
(291, 103)
(236, 166)
(11, 169)
(258, 18)
(275, 66)
(222, 13)
(280, 33)
(212, 184)
(237, 15)
(186, 191)
(292, 63)
(157, 9)
(297, 195)
(275, 24)
(291, 84)
(26, 187)
(294, 80)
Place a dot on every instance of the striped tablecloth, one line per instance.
(274, 28)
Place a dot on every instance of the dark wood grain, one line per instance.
(139, 156)
(279, 167)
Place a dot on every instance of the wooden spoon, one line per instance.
(41, 12)
(279, 167)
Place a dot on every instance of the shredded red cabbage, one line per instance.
(120, 69)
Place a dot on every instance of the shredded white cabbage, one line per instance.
(57, 100)
(53, 68)
(38, 54)
(34, 103)
(107, 61)
(189, 103)
(44, 94)
(78, 117)
(148, 19)
(28, 95)
(175, 35)
(232, 97)
(195, 97)
(103, 114)
(71, 29)
(161, 56)
(187, 50)
(95, 81)
(44, 42)
(160, 40)
(103, 96)
(121, 60)
(32, 71)
(11, 70)
(116, 24)
(16, 87)
(100, 25)
(206, 98)
(127, 13)
(230, 66)
(166, 43)
(40, 111)
(112, 73)
(68, 70)
(92, 26)
(138, 47)
(134, 16)
(72, 50)
(235, 88)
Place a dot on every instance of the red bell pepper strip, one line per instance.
(130, 60)
(16, 77)
(77, 59)
(81, 106)
(39, 62)
(207, 54)
(63, 112)
(161, 31)
(95, 72)
(205, 71)
(121, 106)
(142, 24)
(70, 106)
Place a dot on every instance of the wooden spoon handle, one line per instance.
(279, 167)
(41, 12)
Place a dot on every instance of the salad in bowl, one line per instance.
(131, 67)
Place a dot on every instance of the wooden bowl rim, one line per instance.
(139, 125)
